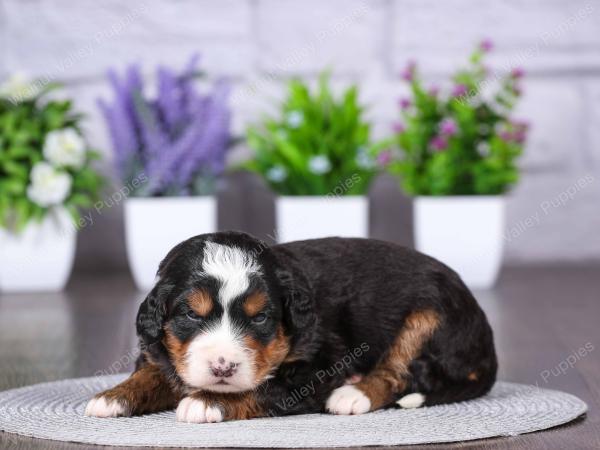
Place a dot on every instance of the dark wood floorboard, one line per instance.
(540, 316)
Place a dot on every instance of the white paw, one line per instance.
(413, 400)
(348, 399)
(103, 407)
(196, 411)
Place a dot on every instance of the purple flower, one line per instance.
(459, 90)
(486, 45)
(408, 73)
(121, 118)
(520, 124)
(520, 129)
(516, 131)
(517, 73)
(178, 140)
(384, 158)
(433, 91)
(404, 103)
(517, 90)
(448, 127)
(398, 128)
(438, 143)
(520, 136)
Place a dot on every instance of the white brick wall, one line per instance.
(563, 218)
(262, 42)
(592, 148)
(304, 37)
(75, 40)
(534, 34)
(557, 111)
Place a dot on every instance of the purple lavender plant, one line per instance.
(178, 140)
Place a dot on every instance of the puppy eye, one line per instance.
(193, 316)
(260, 318)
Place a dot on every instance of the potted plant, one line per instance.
(169, 152)
(457, 154)
(45, 177)
(317, 156)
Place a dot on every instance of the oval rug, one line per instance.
(55, 411)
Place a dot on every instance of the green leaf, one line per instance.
(74, 212)
(81, 200)
(13, 186)
(23, 211)
(331, 126)
(17, 170)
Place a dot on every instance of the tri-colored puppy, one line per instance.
(236, 329)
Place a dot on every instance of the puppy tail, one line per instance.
(456, 392)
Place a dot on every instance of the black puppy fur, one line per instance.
(342, 304)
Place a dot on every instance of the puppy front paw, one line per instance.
(102, 406)
(347, 400)
(193, 410)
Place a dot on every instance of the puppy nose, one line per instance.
(223, 368)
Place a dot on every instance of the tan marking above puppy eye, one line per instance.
(255, 303)
(200, 302)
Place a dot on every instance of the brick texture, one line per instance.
(301, 37)
(71, 40)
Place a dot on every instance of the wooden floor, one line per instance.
(540, 316)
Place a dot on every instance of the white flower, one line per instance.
(65, 148)
(364, 160)
(483, 148)
(295, 119)
(277, 174)
(48, 186)
(319, 164)
(18, 88)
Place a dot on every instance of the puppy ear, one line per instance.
(153, 310)
(299, 315)
(150, 321)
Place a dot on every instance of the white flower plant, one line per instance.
(318, 144)
(45, 162)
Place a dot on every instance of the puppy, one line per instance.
(235, 329)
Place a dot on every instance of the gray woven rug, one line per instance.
(55, 411)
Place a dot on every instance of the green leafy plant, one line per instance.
(320, 145)
(44, 161)
(461, 143)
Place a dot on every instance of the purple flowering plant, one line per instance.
(175, 142)
(461, 143)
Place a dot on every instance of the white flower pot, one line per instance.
(153, 226)
(40, 258)
(465, 233)
(309, 217)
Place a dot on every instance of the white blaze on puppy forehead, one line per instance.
(231, 266)
(221, 344)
